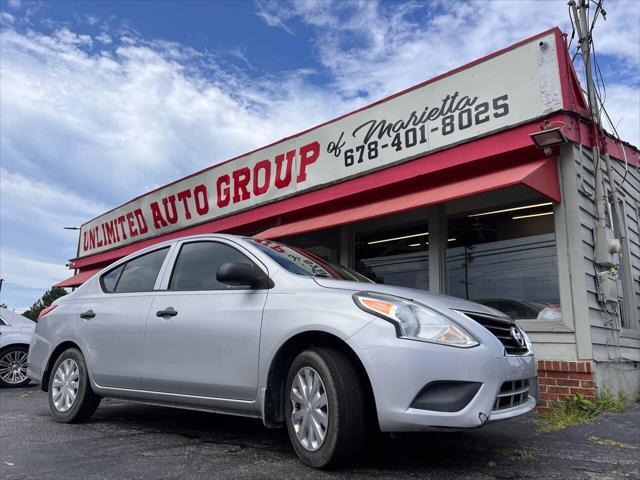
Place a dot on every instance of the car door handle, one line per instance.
(87, 315)
(167, 312)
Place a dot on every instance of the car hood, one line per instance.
(436, 301)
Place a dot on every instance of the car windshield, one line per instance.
(301, 262)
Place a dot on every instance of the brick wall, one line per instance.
(560, 380)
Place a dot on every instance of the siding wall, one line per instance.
(610, 343)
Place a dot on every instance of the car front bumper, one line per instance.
(400, 369)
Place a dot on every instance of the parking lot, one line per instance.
(134, 441)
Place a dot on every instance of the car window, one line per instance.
(301, 262)
(197, 266)
(110, 280)
(137, 275)
(2, 322)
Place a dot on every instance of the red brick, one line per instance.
(587, 384)
(589, 367)
(581, 376)
(560, 374)
(540, 364)
(546, 396)
(549, 381)
(568, 383)
(564, 390)
(556, 366)
(583, 391)
(573, 367)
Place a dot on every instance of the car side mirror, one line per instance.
(243, 274)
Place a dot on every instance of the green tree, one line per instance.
(47, 299)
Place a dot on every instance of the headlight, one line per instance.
(414, 321)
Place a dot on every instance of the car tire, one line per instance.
(13, 366)
(344, 418)
(71, 399)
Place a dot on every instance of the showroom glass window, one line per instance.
(137, 275)
(395, 253)
(322, 243)
(197, 266)
(505, 257)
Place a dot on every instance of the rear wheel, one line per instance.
(13, 366)
(71, 399)
(324, 408)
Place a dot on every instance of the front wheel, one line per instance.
(13, 366)
(325, 408)
(71, 399)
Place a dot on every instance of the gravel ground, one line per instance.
(134, 441)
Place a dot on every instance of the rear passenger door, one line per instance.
(207, 344)
(112, 324)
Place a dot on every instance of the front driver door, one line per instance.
(202, 335)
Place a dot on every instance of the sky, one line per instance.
(102, 101)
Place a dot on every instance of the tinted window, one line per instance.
(110, 279)
(198, 264)
(139, 274)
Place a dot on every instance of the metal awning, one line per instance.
(539, 175)
(78, 279)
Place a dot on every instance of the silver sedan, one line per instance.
(15, 337)
(258, 328)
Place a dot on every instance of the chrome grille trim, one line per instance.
(502, 329)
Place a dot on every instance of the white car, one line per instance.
(15, 336)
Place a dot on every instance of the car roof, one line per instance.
(13, 318)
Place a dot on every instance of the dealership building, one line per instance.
(489, 182)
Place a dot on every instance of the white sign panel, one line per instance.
(513, 87)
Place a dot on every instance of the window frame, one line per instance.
(175, 255)
(123, 264)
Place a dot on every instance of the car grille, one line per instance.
(503, 330)
(512, 394)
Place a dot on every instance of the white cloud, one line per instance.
(6, 18)
(373, 49)
(122, 121)
(25, 271)
(104, 38)
(15, 4)
(623, 105)
(38, 203)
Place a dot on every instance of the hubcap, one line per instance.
(13, 367)
(65, 385)
(310, 414)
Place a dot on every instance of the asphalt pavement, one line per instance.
(134, 441)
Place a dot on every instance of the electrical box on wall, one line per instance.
(607, 288)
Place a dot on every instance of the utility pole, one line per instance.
(606, 246)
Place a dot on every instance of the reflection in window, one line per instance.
(322, 243)
(198, 263)
(396, 256)
(506, 259)
(139, 274)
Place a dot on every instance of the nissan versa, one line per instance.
(257, 328)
